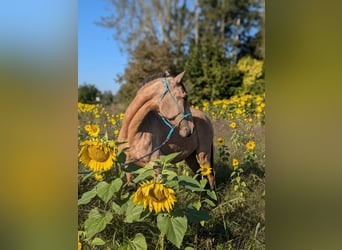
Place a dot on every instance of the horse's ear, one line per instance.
(179, 77)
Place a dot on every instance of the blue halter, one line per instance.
(164, 119)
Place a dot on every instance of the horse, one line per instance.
(160, 121)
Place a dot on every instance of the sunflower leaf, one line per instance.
(98, 242)
(144, 172)
(96, 222)
(169, 173)
(190, 183)
(212, 194)
(168, 158)
(195, 215)
(86, 197)
(173, 227)
(139, 242)
(133, 212)
(105, 191)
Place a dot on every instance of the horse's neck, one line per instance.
(141, 105)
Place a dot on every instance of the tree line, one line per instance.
(220, 44)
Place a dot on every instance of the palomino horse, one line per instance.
(159, 121)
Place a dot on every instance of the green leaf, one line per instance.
(209, 202)
(170, 174)
(117, 209)
(196, 216)
(121, 157)
(98, 242)
(238, 179)
(131, 167)
(133, 212)
(143, 173)
(168, 158)
(190, 183)
(96, 222)
(197, 205)
(173, 227)
(138, 243)
(173, 184)
(86, 197)
(105, 191)
(203, 182)
(212, 194)
(189, 248)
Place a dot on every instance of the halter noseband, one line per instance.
(164, 119)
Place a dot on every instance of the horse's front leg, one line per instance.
(204, 159)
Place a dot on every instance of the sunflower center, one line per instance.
(97, 154)
(157, 195)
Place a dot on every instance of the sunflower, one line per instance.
(93, 130)
(233, 124)
(98, 177)
(97, 155)
(250, 145)
(235, 163)
(220, 141)
(79, 244)
(155, 196)
(205, 169)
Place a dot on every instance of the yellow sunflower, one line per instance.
(155, 196)
(235, 163)
(220, 141)
(250, 145)
(79, 244)
(97, 155)
(205, 169)
(233, 124)
(93, 130)
(98, 177)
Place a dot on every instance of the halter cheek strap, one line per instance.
(164, 119)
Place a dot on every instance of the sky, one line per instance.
(99, 57)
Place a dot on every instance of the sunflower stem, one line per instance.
(161, 241)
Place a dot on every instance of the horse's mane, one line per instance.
(156, 76)
(151, 78)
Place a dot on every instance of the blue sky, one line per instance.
(99, 57)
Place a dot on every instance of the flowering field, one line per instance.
(177, 211)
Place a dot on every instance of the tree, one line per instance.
(87, 93)
(107, 98)
(169, 21)
(149, 57)
(206, 37)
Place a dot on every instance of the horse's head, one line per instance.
(174, 107)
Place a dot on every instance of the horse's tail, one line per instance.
(212, 156)
(212, 161)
